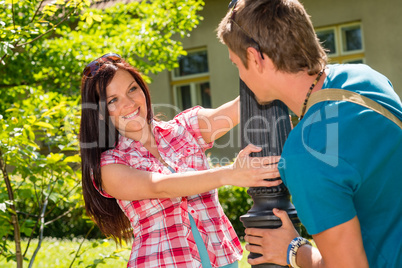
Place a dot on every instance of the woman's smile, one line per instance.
(133, 114)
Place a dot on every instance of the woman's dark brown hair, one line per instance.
(98, 134)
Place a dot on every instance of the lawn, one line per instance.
(59, 253)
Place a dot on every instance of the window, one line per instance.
(344, 42)
(190, 80)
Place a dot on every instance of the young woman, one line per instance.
(150, 178)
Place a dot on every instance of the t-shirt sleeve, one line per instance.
(322, 193)
(189, 120)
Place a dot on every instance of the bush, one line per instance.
(235, 202)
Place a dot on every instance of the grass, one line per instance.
(59, 253)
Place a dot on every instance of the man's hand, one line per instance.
(272, 244)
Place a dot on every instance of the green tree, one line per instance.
(44, 46)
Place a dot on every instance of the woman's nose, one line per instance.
(128, 102)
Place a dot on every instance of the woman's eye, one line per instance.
(111, 101)
(132, 89)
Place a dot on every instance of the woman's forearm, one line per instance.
(190, 183)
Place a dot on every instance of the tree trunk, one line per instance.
(14, 216)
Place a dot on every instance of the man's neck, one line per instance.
(294, 91)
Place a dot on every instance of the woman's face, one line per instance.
(127, 105)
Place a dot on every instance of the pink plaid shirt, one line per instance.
(162, 231)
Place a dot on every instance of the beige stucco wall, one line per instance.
(382, 30)
(382, 33)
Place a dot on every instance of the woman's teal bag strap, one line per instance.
(334, 94)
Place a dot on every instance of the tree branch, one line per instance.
(16, 44)
(60, 216)
(12, 6)
(37, 11)
(41, 228)
(82, 242)
(52, 29)
(14, 216)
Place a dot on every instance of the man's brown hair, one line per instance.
(281, 28)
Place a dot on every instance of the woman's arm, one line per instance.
(214, 123)
(126, 183)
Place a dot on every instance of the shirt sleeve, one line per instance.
(113, 157)
(322, 194)
(189, 120)
(107, 158)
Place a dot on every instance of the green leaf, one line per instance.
(12, 110)
(27, 231)
(89, 20)
(44, 124)
(97, 18)
(54, 158)
(31, 119)
(75, 158)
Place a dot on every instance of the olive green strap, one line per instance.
(334, 94)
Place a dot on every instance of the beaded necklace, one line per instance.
(304, 107)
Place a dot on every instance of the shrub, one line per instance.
(235, 202)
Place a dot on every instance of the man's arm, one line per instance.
(339, 246)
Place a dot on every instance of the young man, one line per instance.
(342, 162)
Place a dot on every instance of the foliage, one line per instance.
(25, 21)
(235, 202)
(142, 32)
(39, 147)
(100, 253)
(44, 46)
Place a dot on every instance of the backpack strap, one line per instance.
(334, 94)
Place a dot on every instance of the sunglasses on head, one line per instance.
(232, 5)
(94, 66)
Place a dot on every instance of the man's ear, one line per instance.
(254, 58)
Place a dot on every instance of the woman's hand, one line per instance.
(253, 171)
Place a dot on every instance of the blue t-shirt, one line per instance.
(344, 160)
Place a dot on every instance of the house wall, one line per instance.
(382, 35)
(382, 30)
